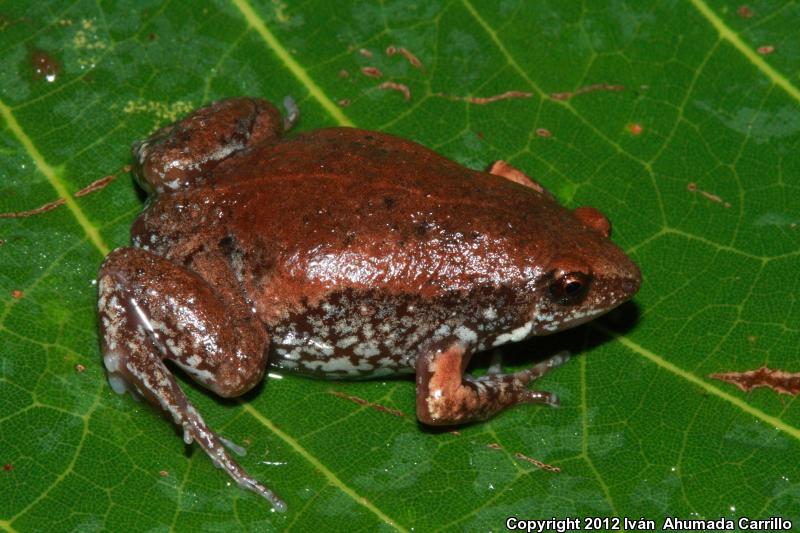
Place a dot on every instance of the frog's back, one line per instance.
(357, 247)
(349, 206)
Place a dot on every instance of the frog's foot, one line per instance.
(536, 371)
(292, 113)
(445, 396)
(180, 153)
(151, 309)
(505, 170)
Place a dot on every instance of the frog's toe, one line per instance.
(118, 383)
(232, 446)
(495, 370)
(540, 369)
(292, 113)
(495, 363)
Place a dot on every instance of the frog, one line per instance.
(339, 253)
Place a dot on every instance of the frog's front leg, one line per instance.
(152, 309)
(446, 396)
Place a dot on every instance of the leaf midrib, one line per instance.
(727, 34)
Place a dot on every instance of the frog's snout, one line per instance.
(631, 281)
(631, 285)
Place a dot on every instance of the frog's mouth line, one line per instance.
(547, 322)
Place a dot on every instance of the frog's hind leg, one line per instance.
(151, 309)
(180, 153)
(446, 396)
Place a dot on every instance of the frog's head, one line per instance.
(587, 275)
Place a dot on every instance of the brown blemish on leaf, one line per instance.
(456, 433)
(17, 294)
(392, 86)
(765, 50)
(692, 187)
(714, 198)
(366, 403)
(541, 132)
(344, 102)
(635, 129)
(588, 89)
(371, 72)
(49, 206)
(483, 100)
(411, 58)
(364, 52)
(8, 467)
(745, 12)
(523, 457)
(96, 185)
(80, 369)
(163, 473)
(343, 73)
(537, 463)
(44, 66)
(778, 380)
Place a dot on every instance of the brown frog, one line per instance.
(339, 253)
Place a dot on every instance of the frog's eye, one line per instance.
(569, 287)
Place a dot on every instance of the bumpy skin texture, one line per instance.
(340, 253)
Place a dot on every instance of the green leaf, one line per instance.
(683, 126)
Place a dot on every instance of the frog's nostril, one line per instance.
(631, 285)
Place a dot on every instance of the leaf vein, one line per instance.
(695, 380)
(257, 23)
(316, 463)
(732, 37)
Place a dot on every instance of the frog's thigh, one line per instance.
(445, 396)
(163, 308)
(160, 307)
(151, 309)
